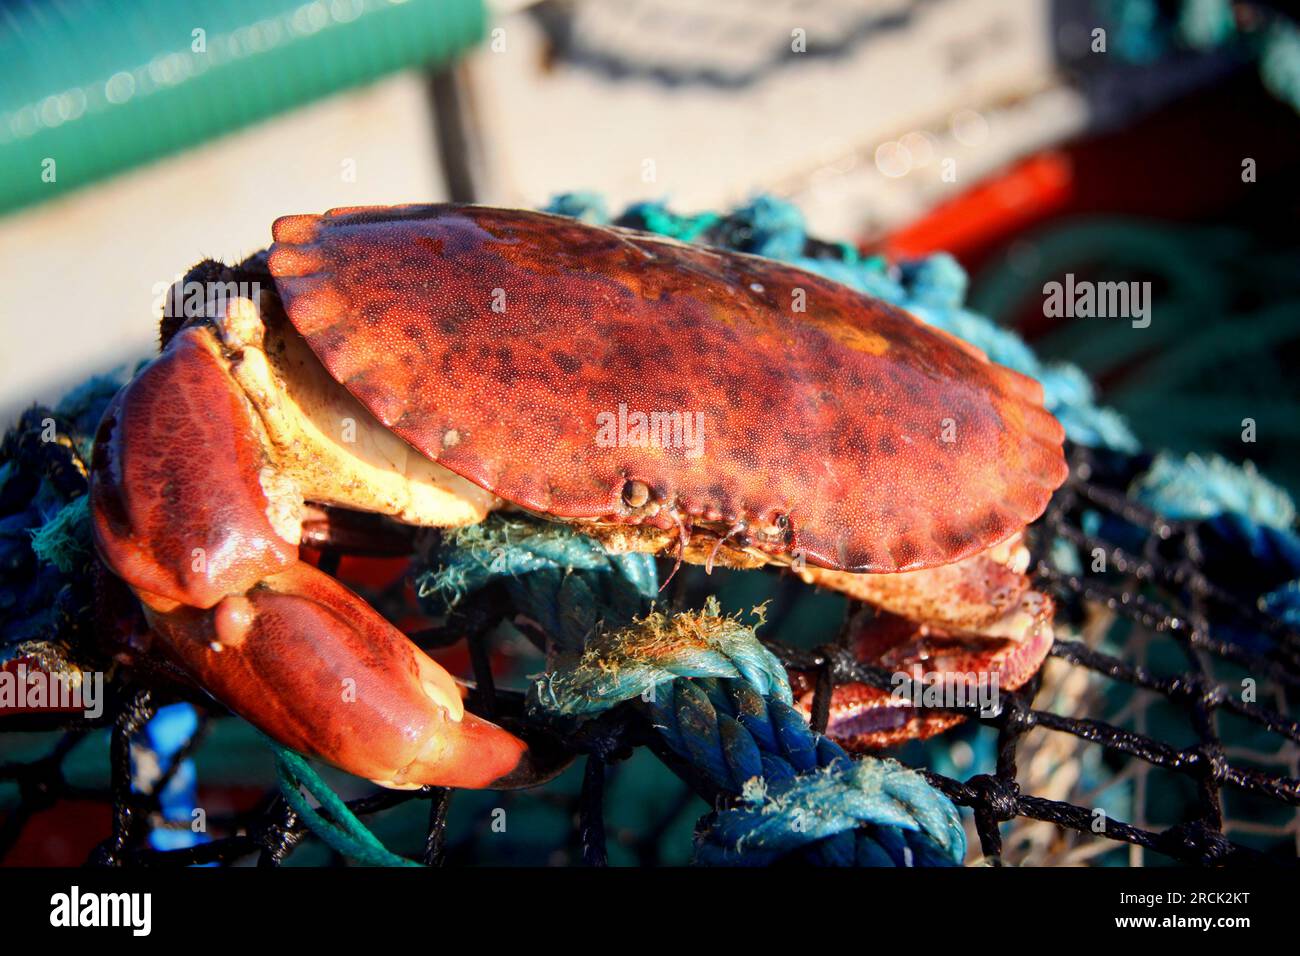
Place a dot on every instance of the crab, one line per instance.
(437, 363)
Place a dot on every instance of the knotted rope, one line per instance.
(800, 795)
(717, 699)
(1251, 517)
(633, 661)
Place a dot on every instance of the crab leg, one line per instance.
(190, 512)
(977, 664)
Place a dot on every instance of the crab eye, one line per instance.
(784, 529)
(635, 494)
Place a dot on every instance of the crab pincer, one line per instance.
(186, 511)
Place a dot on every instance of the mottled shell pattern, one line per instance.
(514, 348)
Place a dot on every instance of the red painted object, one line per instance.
(1031, 190)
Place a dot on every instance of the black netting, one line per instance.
(1161, 586)
(1159, 582)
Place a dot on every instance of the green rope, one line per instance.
(340, 830)
(64, 541)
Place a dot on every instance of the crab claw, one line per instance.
(306, 660)
(189, 509)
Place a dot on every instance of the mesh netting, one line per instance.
(1156, 586)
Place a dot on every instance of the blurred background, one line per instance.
(1130, 140)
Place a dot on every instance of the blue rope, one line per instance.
(1244, 508)
(1192, 488)
(799, 791)
(863, 813)
(570, 584)
(164, 738)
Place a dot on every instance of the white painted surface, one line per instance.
(79, 276)
(807, 129)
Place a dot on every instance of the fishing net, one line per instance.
(1157, 731)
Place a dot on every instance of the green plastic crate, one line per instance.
(92, 87)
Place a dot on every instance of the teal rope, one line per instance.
(1193, 488)
(1144, 32)
(685, 228)
(65, 539)
(1246, 507)
(629, 663)
(337, 826)
(721, 702)
(1279, 63)
(571, 584)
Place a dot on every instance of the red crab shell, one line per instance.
(490, 340)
